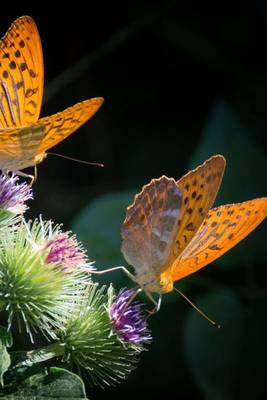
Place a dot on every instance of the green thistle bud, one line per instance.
(38, 292)
(92, 345)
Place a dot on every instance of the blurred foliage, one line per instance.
(225, 363)
(180, 84)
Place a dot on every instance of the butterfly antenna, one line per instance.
(198, 310)
(76, 160)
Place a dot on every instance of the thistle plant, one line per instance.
(13, 197)
(35, 291)
(46, 290)
(93, 343)
(127, 318)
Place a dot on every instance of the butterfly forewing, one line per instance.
(59, 126)
(221, 230)
(199, 188)
(151, 224)
(21, 74)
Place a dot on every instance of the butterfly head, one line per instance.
(154, 283)
(39, 158)
(166, 282)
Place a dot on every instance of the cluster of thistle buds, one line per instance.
(46, 288)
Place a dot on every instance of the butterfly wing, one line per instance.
(21, 74)
(199, 188)
(221, 230)
(19, 146)
(150, 225)
(26, 146)
(59, 126)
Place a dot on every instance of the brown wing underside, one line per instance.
(222, 229)
(150, 224)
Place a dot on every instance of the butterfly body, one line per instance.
(24, 137)
(154, 283)
(170, 230)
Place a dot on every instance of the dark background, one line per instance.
(180, 84)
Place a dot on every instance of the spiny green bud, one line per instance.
(36, 290)
(91, 343)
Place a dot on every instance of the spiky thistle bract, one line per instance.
(39, 293)
(91, 343)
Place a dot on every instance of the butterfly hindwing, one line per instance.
(221, 230)
(19, 146)
(59, 126)
(21, 74)
(26, 146)
(151, 224)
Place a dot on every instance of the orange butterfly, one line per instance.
(24, 138)
(170, 231)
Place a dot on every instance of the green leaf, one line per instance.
(98, 227)
(244, 177)
(57, 384)
(221, 360)
(19, 372)
(5, 341)
(30, 358)
(25, 364)
(4, 361)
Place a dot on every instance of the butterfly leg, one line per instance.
(104, 271)
(35, 173)
(7, 173)
(31, 177)
(157, 304)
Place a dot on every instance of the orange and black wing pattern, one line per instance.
(199, 188)
(21, 74)
(222, 229)
(59, 126)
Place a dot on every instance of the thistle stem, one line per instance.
(42, 354)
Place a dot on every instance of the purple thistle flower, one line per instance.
(65, 251)
(13, 195)
(127, 320)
